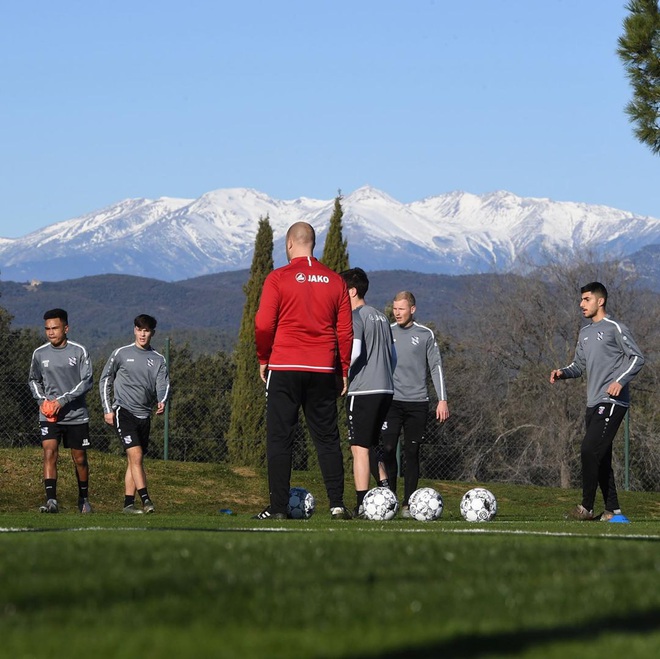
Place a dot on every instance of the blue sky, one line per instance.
(101, 101)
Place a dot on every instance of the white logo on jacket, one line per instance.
(301, 278)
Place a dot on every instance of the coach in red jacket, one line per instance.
(303, 329)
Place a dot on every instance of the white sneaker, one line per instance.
(340, 512)
(50, 507)
(85, 506)
(580, 513)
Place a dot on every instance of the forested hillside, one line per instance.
(205, 311)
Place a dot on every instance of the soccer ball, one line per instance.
(380, 504)
(478, 505)
(301, 503)
(425, 504)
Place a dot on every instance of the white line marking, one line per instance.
(291, 529)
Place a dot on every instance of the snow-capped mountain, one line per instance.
(453, 233)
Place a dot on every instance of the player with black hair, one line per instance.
(133, 381)
(60, 376)
(371, 386)
(609, 356)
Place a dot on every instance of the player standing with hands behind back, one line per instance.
(611, 359)
(138, 376)
(303, 328)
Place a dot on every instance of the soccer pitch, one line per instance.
(217, 586)
(203, 584)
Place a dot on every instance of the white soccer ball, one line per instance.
(425, 504)
(478, 505)
(380, 504)
(301, 503)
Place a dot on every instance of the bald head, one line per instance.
(300, 240)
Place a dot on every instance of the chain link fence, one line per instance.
(493, 435)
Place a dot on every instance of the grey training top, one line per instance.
(371, 372)
(415, 348)
(66, 374)
(608, 353)
(138, 378)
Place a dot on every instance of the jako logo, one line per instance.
(323, 279)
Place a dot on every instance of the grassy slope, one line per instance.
(178, 487)
(195, 583)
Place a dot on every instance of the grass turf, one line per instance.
(188, 581)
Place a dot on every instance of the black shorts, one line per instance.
(72, 436)
(132, 430)
(365, 416)
(409, 416)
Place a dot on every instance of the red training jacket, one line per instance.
(304, 319)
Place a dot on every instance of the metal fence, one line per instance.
(468, 447)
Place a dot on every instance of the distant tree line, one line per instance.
(17, 412)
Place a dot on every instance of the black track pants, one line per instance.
(602, 423)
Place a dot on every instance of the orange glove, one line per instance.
(50, 408)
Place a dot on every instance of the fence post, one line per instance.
(626, 451)
(166, 420)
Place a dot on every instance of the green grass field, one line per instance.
(190, 582)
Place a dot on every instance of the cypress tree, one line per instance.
(335, 250)
(246, 436)
(639, 49)
(335, 256)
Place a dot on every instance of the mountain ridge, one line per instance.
(454, 233)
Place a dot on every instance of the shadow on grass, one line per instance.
(512, 643)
